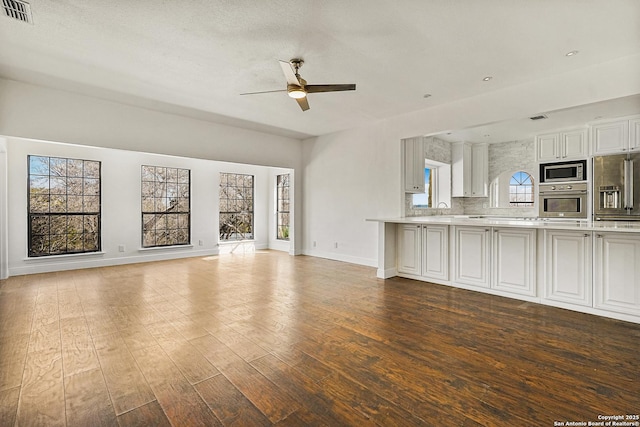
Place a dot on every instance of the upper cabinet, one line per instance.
(569, 144)
(616, 136)
(469, 169)
(413, 152)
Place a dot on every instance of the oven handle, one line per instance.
(562, 193)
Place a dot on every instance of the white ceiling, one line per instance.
(525, 128)
(197, 56)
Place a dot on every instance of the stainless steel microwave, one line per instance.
(575, 170)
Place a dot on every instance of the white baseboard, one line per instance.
(51, 264)
(342, 257)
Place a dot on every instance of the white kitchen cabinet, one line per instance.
(569, 144)
(472, 256)
(435, 252)
(409, 245)
(514, 260)
(469, 169)
(617, 272)
(413, 152)
(479, 170)
(616, 136)
(567, 267)
(634, 134)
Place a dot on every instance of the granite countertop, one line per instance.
(495, 221)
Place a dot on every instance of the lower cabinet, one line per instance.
(567, 267)
(435, 252)
(472, 256)
(500, 258)
(514, 260)
(423, 250)
(409, 249)
(598, 271)
(617, 272)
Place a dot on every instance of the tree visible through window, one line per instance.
(282, 208)
(236, 206)
(64, 206)
(521, 190)
(166, 208)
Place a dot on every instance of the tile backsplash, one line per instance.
(504, 158)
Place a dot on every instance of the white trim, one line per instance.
(344, 258)
(4, 211)
(47, 267)
(65, 257)
(159, 248)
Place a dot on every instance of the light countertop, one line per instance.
(495, 221)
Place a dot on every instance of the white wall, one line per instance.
(4, 224)
(47, 114)
(354, 175)
(341, 179)
(121, 204)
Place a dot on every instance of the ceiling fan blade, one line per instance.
(329, 88)
(289, 74)
(303, 103)
(264, 91)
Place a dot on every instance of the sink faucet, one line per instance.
(438, 207)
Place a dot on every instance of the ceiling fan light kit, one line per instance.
(297, 87)
(296, 92)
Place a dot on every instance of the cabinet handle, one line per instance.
(586, 235)
(599, 236)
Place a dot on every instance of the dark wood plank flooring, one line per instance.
(269, 339)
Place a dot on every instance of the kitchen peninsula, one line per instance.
(587, 266)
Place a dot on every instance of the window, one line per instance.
(425, 200)
(64, 206)
(166, 210)
(437, 185)
(282, 206)
(236, 206)
(521, 190)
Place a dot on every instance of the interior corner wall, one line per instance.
(121, 223)
(47, 114)
(4, 224)
(353, 175)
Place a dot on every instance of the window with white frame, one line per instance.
(282, 207)
(236, 207)
(63, 206)
(521, 190)
(437, 184)
(166, 208)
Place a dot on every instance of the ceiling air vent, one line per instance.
(540, 117)
(17, 9)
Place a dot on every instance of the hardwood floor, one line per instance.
(268, 339)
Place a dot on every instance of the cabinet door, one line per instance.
(479, 170)
(461, 169)
(634, 134)
(471, 258)
(409, 243)
(514, 260)
(435, 252)
(413, 165)
(610, 137)
(617, 272)
(574, 144)
(567, 266)
(547, 147)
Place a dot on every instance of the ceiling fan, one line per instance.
(297, 87)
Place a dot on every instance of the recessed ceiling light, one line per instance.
(572, 53)
(486, 79)
(426, 95)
